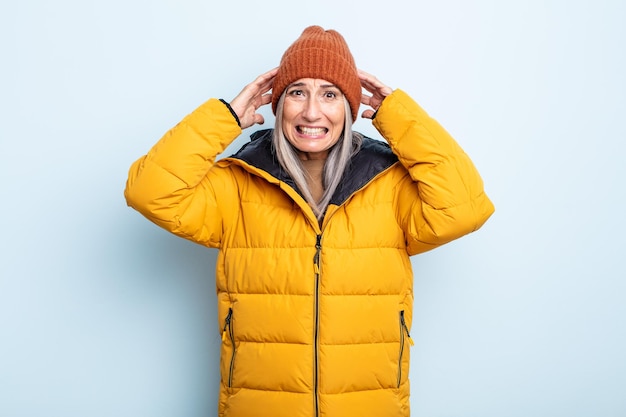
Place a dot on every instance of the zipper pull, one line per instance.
(406, 328)
(227, 323)
(316, 258)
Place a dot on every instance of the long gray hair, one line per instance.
(338, 159)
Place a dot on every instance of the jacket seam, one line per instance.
(361, 390)
(272, 390)
(311, 295)
(378, 342)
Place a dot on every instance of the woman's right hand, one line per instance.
(253, 96)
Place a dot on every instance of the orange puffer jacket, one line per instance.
(315, 318)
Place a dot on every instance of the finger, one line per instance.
(368, 78)
(371, 83)
(266, 99)
(265, 80)
(363, 75)
(365, 99)
(373, 86)
(369, 86)
(367, 114)
(261, 100)
(261, 84)
(267, 75)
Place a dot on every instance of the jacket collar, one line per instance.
(373, 158)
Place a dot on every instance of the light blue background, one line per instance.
(104, 314)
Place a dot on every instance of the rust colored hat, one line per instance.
(323, 54)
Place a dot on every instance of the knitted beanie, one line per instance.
(322, 54)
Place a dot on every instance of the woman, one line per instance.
(315, 225)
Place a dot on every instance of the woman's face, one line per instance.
(313, 116)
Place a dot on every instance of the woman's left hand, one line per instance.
(378, 90)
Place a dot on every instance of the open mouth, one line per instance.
(312, 131)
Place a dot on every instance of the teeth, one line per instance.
(312, 130)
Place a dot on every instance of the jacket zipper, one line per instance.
(316, 264)
(317, 269)
(404, 330)
(229, 326)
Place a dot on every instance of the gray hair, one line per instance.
(338, 159)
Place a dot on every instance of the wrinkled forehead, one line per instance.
(313, 83)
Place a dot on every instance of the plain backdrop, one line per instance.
(103, 314)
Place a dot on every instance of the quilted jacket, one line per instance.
(315, 318)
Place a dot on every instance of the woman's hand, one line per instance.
(378, 90)
(253, 96)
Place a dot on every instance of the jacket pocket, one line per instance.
(404, 336)
(228, 333)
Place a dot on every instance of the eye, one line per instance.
(330, 94)
(295, 92)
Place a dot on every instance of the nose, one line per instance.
(312, 109)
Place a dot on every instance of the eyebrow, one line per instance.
(321, 86)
